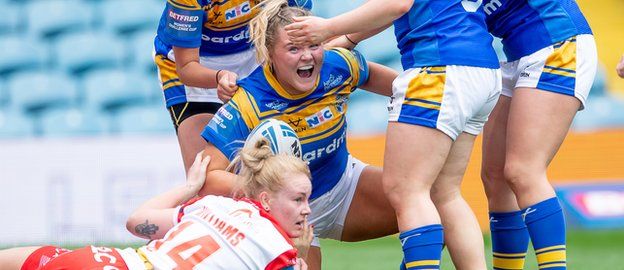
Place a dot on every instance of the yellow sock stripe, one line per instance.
(550, 248)
(506, 263)
(552, 265)
(508, 255)
(422, 263)
(551, 256)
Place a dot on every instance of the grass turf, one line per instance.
(586, 250)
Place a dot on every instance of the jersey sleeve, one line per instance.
(307, 4)
(227, 130)
(183, 23)
(283, 261)
(358, 67)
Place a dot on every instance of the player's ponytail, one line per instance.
(263, 28)
(259, 169)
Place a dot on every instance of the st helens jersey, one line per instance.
(318, 116)
(444, 32)
(222, 233)
(526, 26)
(216, 27)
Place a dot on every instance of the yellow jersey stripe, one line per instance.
(185, 4)
(324, 134)
(351, 62)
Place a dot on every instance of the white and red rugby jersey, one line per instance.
(216, 232)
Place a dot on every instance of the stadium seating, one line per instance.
(111, 89)
(51, 18)
(141, 120)
(123, 16)
(11, 18)
(15, 124)
(80, 52)
(71, 121)
(20, 53)
(39, 90)
(141, 45)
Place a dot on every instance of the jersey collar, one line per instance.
(268, 74)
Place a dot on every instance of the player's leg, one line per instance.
(462, 234)
(189, 137)
(510, 238)
(413, 158)
(14, 258)
(370, 214)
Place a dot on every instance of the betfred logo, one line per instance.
(319, 118)
(237, 11)
(182, 18)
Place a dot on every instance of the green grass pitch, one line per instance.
(593, 250)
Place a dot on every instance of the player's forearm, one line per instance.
(360, 36)
(380, 79)
(219, 182)
(191, 72)
(371, 16)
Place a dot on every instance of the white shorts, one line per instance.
(566, 67)
(452, 99)
(241, 63)
(329, 211)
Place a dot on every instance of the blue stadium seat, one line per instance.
(141, 45)
(367, 113)
(148, 119)
(11, 15)
(123, 16)
(51, 18)
(34, 91)
(20, 53)
(110, 89)
(380, 48)
(327, 8)
(601, 112)
(80, 52)
(71, 121)
(14, 124)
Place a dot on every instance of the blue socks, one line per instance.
(546, 225)
(510, 240)
(422, 247)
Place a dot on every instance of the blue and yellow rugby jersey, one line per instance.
(318, 117)
(526, 26)
(444, 32)
(217, 27)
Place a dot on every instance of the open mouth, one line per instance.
(305, 71)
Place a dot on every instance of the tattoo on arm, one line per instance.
(146, 229)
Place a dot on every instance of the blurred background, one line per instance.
(85, 136)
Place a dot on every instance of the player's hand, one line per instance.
(197, 173)
(340, 42)
(303, 242)
(301, 264)
(620, 67)
(308, 30)
(226, 86)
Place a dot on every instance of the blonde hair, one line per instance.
(263, 28)
(259, 169)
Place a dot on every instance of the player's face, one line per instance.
(289, 206)
(296, 67)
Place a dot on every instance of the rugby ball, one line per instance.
(282, 138)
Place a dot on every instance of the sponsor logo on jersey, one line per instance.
(332, 82)
(319, 118)
(276, 105)
(182, 18)
(295, 122)
(237, 11)
(330, 148)
(341, 101)
(216, 119)
(224, 112)
(491, 6)
(242, 35)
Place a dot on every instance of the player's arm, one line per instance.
(380, 79)
(192, 73)
(349, 41)
(154, 217)
(218, 180)
(371, 15)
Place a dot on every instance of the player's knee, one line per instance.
(518, 175)
(493, 178)
(442, 193)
